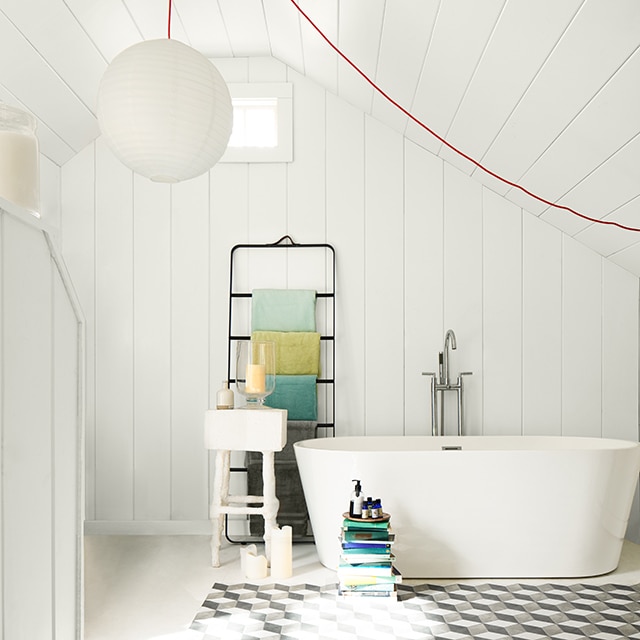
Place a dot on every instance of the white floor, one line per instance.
(150, 587)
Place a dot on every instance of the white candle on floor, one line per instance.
(281, 553)
(255, 567)
(251, 548)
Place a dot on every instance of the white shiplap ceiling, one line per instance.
(544, 93)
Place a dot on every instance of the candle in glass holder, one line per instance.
(256, 378)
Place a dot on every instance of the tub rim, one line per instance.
(512, 443)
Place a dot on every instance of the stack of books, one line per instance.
(366, 561)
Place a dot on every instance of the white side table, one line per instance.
(263, 430)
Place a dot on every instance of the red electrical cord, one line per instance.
(169, 22)
(480, 166)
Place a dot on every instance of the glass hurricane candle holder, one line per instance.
(255, 371)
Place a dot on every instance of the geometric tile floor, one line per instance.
(421, 612)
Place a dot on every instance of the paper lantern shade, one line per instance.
(164, 110)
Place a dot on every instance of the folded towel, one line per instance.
(283, 310)
(296, 394)
(297, 352)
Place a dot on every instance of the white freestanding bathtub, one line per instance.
(501, 506)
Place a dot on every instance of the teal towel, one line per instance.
(296, 394)
(283, 310)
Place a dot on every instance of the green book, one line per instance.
(352, 525)
(368, 535)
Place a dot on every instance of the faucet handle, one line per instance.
(466, 373)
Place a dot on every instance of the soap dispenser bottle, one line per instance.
(224, 397)
(355, 506)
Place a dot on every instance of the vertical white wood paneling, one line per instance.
(78, 245)
(384, 281)
(502, 316)
(229, 226)
(114, 338)
(541, 328)
(189, 346)
(469, 261)
(67, 475)
(267, 223)
(307, 218)
(306, 175)
(581, 341)
(619, 340)
(462, 308)
(152, 349)
(229, 219)
(2, 420)
(27, 437)
(345, 224)
(423, 258)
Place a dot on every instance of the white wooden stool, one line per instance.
(263, 430)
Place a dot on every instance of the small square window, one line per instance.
(262, 123)
(255, 123)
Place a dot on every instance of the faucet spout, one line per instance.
(449, 338)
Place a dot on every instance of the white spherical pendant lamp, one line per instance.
(164, 110)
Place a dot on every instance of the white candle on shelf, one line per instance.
(281, 553)
(256, 378)
(255, 567)
(19, 170)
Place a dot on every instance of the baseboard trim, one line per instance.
(147, 527)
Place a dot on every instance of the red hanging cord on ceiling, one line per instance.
(169, 22)
(480, 166)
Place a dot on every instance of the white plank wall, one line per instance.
(502, 316)
(549, 329)
(384, 290)
(152, 335)
(541, 328)
(423, 283)
(40, 429)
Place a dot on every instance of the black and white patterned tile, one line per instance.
(422, 612)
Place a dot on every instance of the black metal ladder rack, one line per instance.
(326, 425)
(328, 378)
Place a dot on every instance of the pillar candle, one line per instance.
(281, 553)
(250, 548)
(255, 567)
(256, 378)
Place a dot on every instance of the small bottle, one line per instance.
(224, 397)
(355, 505)
(366, 509)
(376, 509)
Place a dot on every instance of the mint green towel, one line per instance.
(297, 352)
(296, 394)
(283, 310)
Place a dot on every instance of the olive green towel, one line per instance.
(297, 352)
